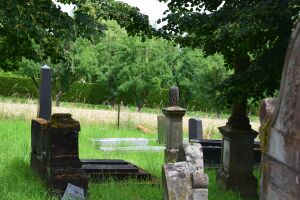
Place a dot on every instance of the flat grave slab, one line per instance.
(134, 148)
(101, 169)
(114, 142)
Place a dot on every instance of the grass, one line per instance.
(19, 182)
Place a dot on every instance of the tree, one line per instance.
(145, 68)
(198, 76)
(252, 36)
(80, 64)
(24, 24)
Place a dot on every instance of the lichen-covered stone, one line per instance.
(281, 160)
(185, 179)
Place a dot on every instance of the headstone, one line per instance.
(45, 102)
(174, 115)
(195, 129)
(161, 129)
(73, 193)
(64, 165)
(185, 179)
(281, 161)
(54, 154)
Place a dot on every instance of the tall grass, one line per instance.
(19, 182)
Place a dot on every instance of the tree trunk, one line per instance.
(57, 98)
(239, 118)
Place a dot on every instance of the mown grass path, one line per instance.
(19, 182)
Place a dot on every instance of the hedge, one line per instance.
(93, 93)
(17, 86)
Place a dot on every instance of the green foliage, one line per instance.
(17, 86)
(252, 36)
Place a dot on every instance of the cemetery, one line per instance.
(100, 104)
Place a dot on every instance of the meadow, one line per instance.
(18, 181)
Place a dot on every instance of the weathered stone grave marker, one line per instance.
(55, 152)
(185, 179)
(174, 115)
(73, 193)
(161, 129)
(45, 102)
(281, 161)
(195, 129)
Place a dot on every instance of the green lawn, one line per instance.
(18, 182)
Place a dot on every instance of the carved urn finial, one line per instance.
(174, 96)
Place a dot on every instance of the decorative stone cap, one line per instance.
(228, 131)
(174, 111)
(63, 120)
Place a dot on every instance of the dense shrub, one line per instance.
(93, 93)
(17, 86)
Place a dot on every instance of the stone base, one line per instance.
(171, 155)
(236, 171)
(246, 186)
(60, 177)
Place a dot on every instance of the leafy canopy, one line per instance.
(252, 36)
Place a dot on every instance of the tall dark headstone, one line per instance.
(280, 177)
(54, 153)
(174, 115)
(195, 129)
(64, 165)
(45, 102)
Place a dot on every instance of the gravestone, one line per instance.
(64, 165)
(195, 129)
(281, 161)
(54, 154)
(174, 115)
(73, 193)
(185, 179)
(161, 129)
(45, 102)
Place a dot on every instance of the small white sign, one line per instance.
(73, 193)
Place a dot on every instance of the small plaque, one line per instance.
(73, 193)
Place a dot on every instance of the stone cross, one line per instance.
(280, 176)
(45, 102)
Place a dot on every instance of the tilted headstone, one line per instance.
(195, 129)
(185, 179)
(281, 161)
(73, 193)
(161, 129)
(45, 102)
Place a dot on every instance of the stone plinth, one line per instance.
(64, 165)
(236, 171)
(174, 136)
